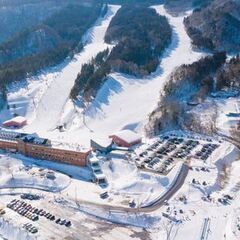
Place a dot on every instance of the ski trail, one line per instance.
(50, 106)
(125, 101)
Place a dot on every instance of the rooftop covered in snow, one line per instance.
(126, 138)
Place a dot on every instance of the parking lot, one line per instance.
(162, 154)
(40, 219)
(27, 210)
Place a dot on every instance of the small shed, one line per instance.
(126, 138)
(16, 122)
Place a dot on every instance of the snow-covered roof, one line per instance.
(93, 160)
(100, 176)
(103, 141)
(69, 146)
(128, 136)
(18, 119)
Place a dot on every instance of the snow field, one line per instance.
(17, 173)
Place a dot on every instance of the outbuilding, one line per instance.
(16, 122)
(126, 138)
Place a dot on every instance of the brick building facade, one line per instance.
(42, 149)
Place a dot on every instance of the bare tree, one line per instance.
(235, 133)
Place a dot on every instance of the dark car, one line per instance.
(68, 224)
(58, 220)
(104, 195)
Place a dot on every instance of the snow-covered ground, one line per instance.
(41, 98)
(19, 172)
(126, 183)
(223, 107)
(123, 101)
(226, 106)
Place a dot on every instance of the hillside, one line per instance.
(26, 14)
(229, 76)
(181, 6)
(29, 42)
(139, 45)
(46, 44)
(216, 27)
(140, 41)
(188, 85)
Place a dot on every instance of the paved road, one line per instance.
(230, 139)
(179, 181)
(177, 184)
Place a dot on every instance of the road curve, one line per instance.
(179, 181)
(229, 139)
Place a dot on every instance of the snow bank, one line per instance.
(11, 232)
(15, 173)
(126, 181)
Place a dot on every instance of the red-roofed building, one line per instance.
(16, 122)
(126, 138)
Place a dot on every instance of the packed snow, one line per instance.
(19, 172)
(123, 102)
(41, 98)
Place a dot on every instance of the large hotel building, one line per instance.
(41, 148)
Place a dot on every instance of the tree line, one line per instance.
(187, 82)
(69, 24)
(140, 35)
(91, 77)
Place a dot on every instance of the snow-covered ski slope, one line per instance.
(122, 101)
(41, 100)
(125, 101)
(50, 106)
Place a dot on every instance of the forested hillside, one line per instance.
(229, 76)
(140, 35)
(178, 6)
(46, 44)
(187, 84)
(216, 27)
(26, 15)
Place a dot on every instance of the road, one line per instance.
(229, 139)
(177, 184)
(179, 181)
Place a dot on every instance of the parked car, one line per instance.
(58, 220)
(68, 224)
(104, 195)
